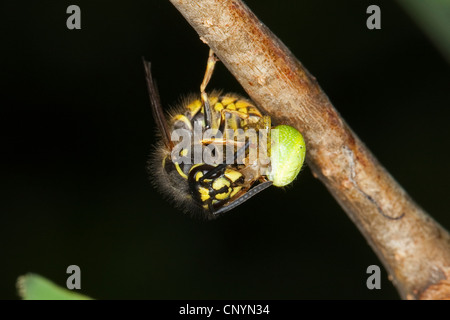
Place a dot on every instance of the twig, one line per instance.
(413, 247)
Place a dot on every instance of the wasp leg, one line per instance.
(241, 115)
(223, 121)
(205, 101)
(221, 141)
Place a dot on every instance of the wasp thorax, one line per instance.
(287, 155)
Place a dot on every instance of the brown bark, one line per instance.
(413, 247)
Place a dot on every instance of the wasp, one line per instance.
(211, 188)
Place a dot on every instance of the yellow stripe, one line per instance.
(224, 195)
(195, 166)
(242, 104)
(194, 106)
(219, 183)
(232, 123)
(198, 176)
(213, 100)
(235, 190)
(180, 172)
(227, 100)
(254, 111)
(204, 194)
(184, 119)
(233, 175)
(231, 106)
(218, 106)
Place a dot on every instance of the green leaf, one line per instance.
(433, 16)
(35, 287)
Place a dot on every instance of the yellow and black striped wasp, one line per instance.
(220, 121)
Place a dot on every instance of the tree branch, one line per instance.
(413, 247)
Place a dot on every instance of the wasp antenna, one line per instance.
(249, 194)
(157, 111)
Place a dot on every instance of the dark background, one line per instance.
(76, 131)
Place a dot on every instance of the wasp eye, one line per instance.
(286, 156)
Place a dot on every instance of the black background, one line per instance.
(76, 131)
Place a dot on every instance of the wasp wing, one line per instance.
(158, 113)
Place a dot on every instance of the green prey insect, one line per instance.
(213, 189)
